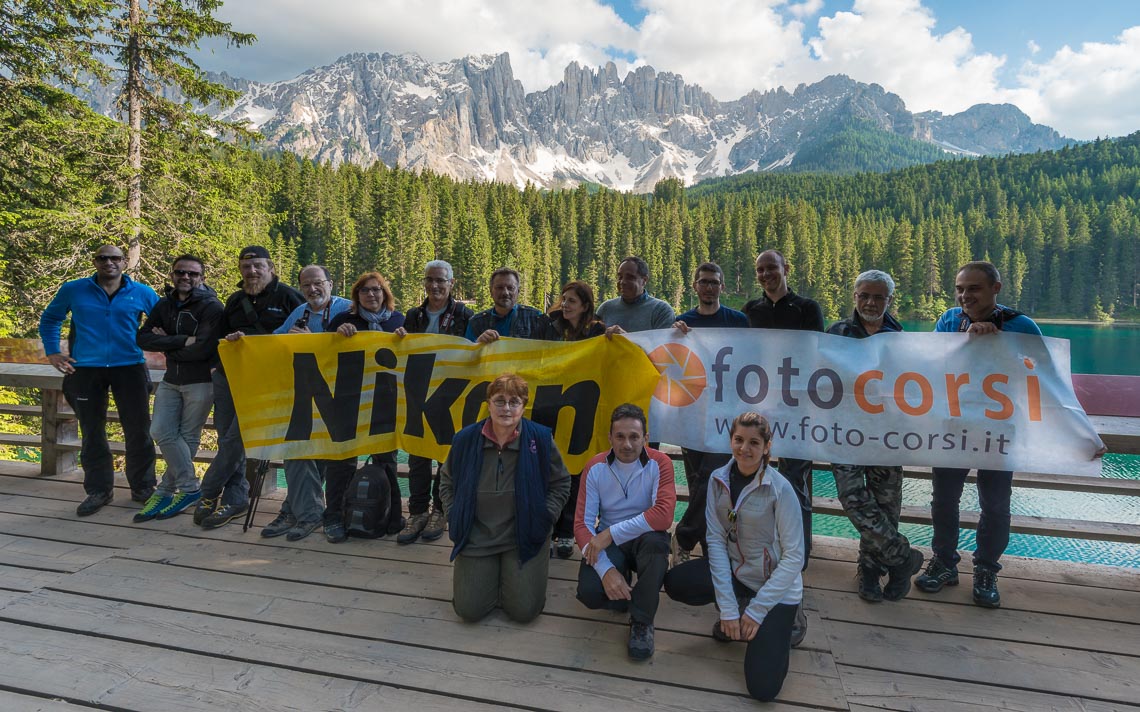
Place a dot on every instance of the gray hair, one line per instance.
(877, 276)
(440, 264)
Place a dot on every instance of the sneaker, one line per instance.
(640, 640)
(677, 554)
(985, 588)
(898, 583)
(564, 547)
(206, 507)
(413, 528)
(142, 495)
(799, 628)
(719, 635)
(224, 515)
(301, 530)
(181, 502)
(335, 532)
(94, 503)
(870, 589)
(936, 576)
(435, 525)
(281, 524)
(152, 507)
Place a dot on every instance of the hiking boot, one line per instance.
(335, 532)
(142, 495)
(152, 507)
(413, 528)
(898, 584)
(435, 525)
(94, 503)
(678, 554)
(799, 628)
(281, 524)
(936, 576)
(564, 547)
(301, 530)
(869, 588)
(206, 507)
(719, 635)
(985, 588)
(224, 515)
(640, 640)
(180, 502)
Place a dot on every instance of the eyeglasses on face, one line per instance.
(875, 298)
(186, 273)
(109, 258)
(708, 283)
(436, 280)
(315, 283)
(374, 291)
(504, 404)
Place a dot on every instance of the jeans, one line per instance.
(994, 490)
(871, 496)
(86, 392)
(304, 499)
(423, 485)
(179, 414)
(798, 472)
(766, 659)
(699, 465)
(226, 474)
(482, 583)
(648, 555)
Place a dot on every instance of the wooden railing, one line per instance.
(58, 443)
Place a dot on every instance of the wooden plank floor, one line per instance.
(101, 613)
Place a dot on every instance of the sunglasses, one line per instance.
(109, 258)
(186, 273)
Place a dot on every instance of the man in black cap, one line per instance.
(260, 305)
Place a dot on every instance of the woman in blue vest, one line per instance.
(502, 487)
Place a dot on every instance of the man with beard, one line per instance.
(304, 502)
(260, 305)
(184, 327)
(871, 495)
(507, 317)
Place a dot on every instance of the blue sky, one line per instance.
(1074, 66)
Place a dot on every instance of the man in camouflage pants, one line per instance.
(871, 495)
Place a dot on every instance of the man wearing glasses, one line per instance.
(184, 327)
(690, 531)
(106, 309)
(439, 313)
(871, 495)
(304, 502)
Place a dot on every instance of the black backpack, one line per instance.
(368, 501)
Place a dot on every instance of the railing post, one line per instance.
(59, 426)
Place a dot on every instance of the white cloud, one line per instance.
(807, 8)
(1033, 47)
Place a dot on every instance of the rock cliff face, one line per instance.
(470, 118)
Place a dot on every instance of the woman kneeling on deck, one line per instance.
(756, 551)
(502, 487)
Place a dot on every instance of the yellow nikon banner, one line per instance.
(302, 396)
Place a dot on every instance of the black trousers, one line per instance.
(648, 556)
(798, 472)
(699, 465)
(339, 474)
(766, 659)
(86, 392)
(423, 485)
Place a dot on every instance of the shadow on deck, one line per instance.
(100, 613)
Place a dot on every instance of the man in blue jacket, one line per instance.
(106, 309)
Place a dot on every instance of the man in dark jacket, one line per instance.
(105, 312)
(871, 495)
(258, 307)
(184, 327)
(781, 308)
(507, 317)
(440, 313)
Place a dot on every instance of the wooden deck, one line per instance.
(100, 613)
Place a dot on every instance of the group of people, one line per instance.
(504, 493)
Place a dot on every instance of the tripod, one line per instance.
(254, 472)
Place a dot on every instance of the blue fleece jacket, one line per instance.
(103, 327)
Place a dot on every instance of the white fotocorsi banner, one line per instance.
(1001, 401)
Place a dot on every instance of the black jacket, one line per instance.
(262, 313)
(453, 320)
(199, 316)
(853, 326)
(791, 312)
(557, 328)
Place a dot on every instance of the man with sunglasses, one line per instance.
(106, 309)
(183, 326)
(439, 313)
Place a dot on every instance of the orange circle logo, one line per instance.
(682, 375)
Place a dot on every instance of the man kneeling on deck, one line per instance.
(625, 508)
